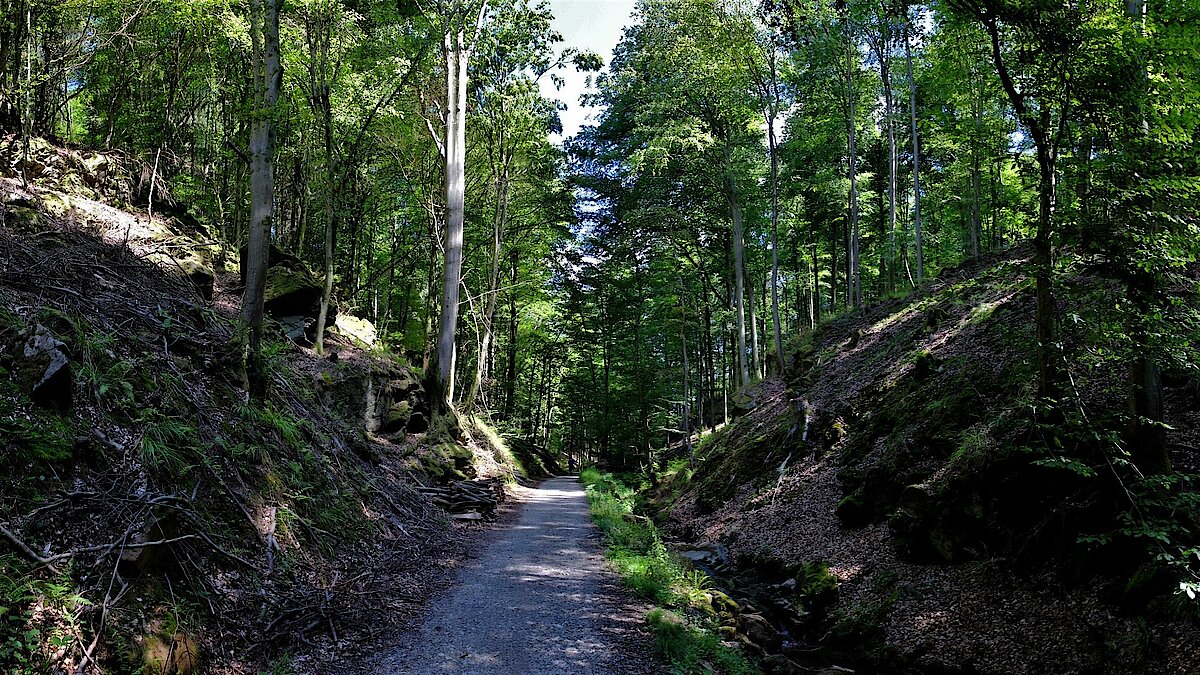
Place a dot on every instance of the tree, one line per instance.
(460, 18)
(267, 75)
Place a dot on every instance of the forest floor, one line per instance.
(538, 599)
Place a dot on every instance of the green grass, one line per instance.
(685, 624)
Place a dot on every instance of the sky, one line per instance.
(586, 25)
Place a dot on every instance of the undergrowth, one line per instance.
(688, 639)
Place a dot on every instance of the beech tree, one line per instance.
(267, 76)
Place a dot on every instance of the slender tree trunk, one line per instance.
(510, 375)
(773, 149)
(754, 355)
(890, 124)
(457, 56)
(489, 314)
(854, 270)
(735, 209)
(322, 85)
(916, 149)
(976, 218)
(1043, 264)
(268, 76)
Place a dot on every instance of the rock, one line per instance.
(192, 265)
(760, 631)
(398, 417)
(276, 257)
(778, 664)
(44, 372)
(296, 328)
(853, 512)
(355, 328)
(291, 292)
(405, 385)
(418, 423)
(708, 555)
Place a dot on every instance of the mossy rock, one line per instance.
(194, 267)
(291, 292)
(23, 219)
(397, 417)
(853, 512)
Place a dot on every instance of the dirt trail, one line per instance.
(539, 599)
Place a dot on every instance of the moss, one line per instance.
(32, 434)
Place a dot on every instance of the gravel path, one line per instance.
(539, 599)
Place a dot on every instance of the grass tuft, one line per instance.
(684, 625)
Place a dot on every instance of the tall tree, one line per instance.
(267, 76)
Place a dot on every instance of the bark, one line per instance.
(320, 84)
(735, 211)
(456, 81)
(268, 76)
(854, 271)
(916, 150)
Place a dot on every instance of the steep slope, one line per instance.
(151, 516)
(897, 455)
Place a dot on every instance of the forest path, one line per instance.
(539, 599)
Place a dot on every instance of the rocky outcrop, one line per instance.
(382, 396)
(292, 294)
(43, 369)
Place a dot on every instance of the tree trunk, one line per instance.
(735, 210)
(1043, 265)
(773, 149)
(456, 93)
(853, 271)
(510, 371)
(890, 123)
(268, 76)
(916, 149)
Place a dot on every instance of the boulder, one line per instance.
(405, 385)
(44, 371)
(778, 664)
(291, 292)
(760, 632)
(353, 327)
(192, 265)
(418, 423)
(298, 329)
(398, 417)
(276, 257)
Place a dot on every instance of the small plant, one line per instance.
(168, 443)
(690, 644)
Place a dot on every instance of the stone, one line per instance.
(45, 371)
(291, 292)
(760, 631)
(177, 654)
(406, 384)
(778, 664)
(357, 329)
(853, 512)
(398, 417)
(418, 423)
(296, 328)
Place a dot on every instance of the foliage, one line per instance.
(37, 618)
(689, 642)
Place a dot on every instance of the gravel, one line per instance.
(539, 599)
